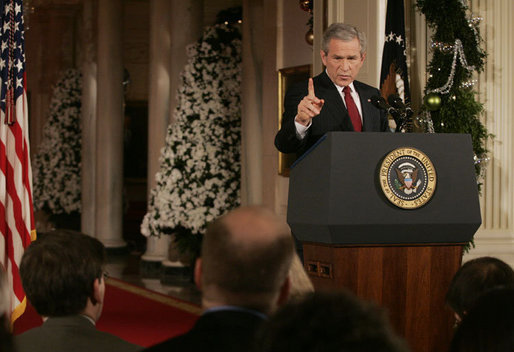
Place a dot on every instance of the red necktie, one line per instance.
(352, 110)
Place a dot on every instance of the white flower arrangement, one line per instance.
(56, 166)
(199, 177)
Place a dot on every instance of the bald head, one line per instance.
(253, 226)
(246, 252)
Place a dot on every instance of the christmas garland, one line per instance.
(199, 177)
(57, 164)
(450, 104)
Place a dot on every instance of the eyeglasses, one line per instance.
(105, 274)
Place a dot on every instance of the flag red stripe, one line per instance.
(3, 227)
(19, 225)
(22, 158)
(16, 203)
(17, 286)
(27, 171)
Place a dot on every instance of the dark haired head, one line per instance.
(329, 321)
(473, 279)
(489, 325)
(58, 272)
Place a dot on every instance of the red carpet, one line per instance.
(133, 313)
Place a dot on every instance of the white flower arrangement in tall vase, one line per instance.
(200, 168)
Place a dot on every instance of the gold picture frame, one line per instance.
(286, 78)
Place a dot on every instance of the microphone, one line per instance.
(397, 102)
(380, 103)
(398, 117)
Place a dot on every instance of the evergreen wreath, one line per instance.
(199, 177)
(57, 164)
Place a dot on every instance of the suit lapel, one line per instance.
(366, 107)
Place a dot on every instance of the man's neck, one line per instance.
(92, 311)
(232, 308)
(210, 302)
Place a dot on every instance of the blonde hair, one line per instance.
(5, 303)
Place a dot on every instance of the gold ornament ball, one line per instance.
(432, 101)
(309, 37)
(305, 5)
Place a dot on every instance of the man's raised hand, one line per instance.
(309, 107)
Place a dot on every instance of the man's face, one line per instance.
(343, 60)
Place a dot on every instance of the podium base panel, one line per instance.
(409, 281)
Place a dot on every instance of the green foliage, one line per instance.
(460, 111)
(449, 21)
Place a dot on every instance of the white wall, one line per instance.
(496, 90)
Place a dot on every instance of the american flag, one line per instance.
(394, 77)
(16, 215)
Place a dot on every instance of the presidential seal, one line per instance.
(407, 178)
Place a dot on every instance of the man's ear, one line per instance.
(285, 290)
(198, 273)
(98, 291)
(363, 57)
(323, 57)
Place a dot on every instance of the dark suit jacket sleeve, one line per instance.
(286, 140)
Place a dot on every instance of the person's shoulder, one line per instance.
(32, 340)
(182, 342)
(56, 336)
(363, 86)
(29, 335)
(114, 342)
(322, 80)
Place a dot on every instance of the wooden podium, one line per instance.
(361, 231)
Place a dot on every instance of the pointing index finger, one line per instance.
(311, 89)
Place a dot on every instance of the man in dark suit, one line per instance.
(333, 100)
(243, 275)
(63, 276)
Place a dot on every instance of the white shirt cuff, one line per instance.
(301, 130)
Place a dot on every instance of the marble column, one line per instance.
(109, 126)
(186, 28)
(252, 108)
(158, 116)
(88, 109)
(186, 23)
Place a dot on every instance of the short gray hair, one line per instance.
(344, 32)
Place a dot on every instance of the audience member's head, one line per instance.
(62, 274)
(489, 325)
(245, 259)
(5, 310)
(329, 321)
(473, 279)
(301, 284)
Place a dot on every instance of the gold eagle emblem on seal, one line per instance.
(407, 178)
